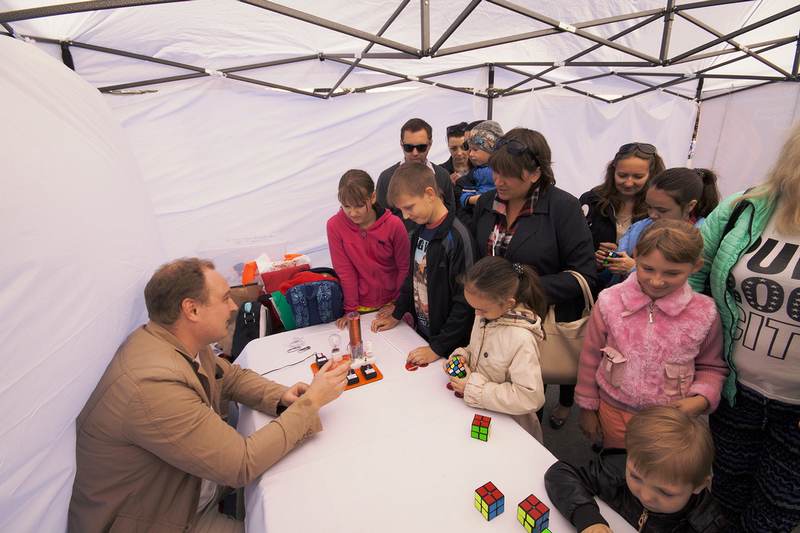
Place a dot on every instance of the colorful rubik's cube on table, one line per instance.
(480, 427)
(533, 515)
(489, 500)
(456, 368)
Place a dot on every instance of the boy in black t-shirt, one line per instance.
(442, 248)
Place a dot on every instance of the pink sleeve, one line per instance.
(586, 391)
(402, 254)
(710, 369)
(344, 268)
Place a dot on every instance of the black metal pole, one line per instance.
(490, 93)
(669, 16)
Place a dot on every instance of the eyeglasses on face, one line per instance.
(645, 148)
(516, 148)
(420, 148)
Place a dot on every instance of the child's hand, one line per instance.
(383, 323)
(422, 355)
(590, 425)
(622, 264)
(597, 528)
(459, 384)
(602, 253)
(693, 405)
(386, 310)
(341, 323)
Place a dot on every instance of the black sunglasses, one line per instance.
(645, 148)
(457, 130)
(516, 148)
(420, 148)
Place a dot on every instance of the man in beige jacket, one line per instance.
(152, 448)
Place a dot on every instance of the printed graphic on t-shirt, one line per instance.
(766, 283)
(420, 278)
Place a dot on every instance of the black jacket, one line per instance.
(572, 491)
(553, 239)
(442, 181)
(602, 226)
(450, 253)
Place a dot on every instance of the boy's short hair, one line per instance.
(411, 179)
(666, 443)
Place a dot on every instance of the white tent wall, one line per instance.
(223, 159)
(585, 134)
(80, 240)
(740, 134)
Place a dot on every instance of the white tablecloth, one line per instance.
(395, 455)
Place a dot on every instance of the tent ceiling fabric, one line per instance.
(324, 49)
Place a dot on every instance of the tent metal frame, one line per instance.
(647, 18)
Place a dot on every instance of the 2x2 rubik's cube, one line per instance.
(534, 515)
(480, 427)
(489, 501)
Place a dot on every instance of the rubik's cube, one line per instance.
(489, 500)
(480, 427)
(533, 515)
(455, 367)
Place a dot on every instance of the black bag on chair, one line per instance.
(253, 321)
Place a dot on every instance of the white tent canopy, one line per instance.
(238, 118)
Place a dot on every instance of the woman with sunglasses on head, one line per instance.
(529, 220)
(676, 193)
(618, 202)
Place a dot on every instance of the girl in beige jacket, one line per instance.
(502, 358)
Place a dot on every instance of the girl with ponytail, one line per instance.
(502, 359)
(680, 193)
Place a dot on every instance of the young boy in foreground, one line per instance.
(660, 486)
(441, 250)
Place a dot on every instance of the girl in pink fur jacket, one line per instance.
(651, 340)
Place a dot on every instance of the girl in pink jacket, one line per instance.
(502, 358)
(369, 246)
(651, 340)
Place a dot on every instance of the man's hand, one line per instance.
(383, 323)
(693, 405)
(597, 528)
(293, 393)
(590, 425)
(421, 355)
(328, 384)
(623, 264)
(341, 323)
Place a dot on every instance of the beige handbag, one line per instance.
(560, 350)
